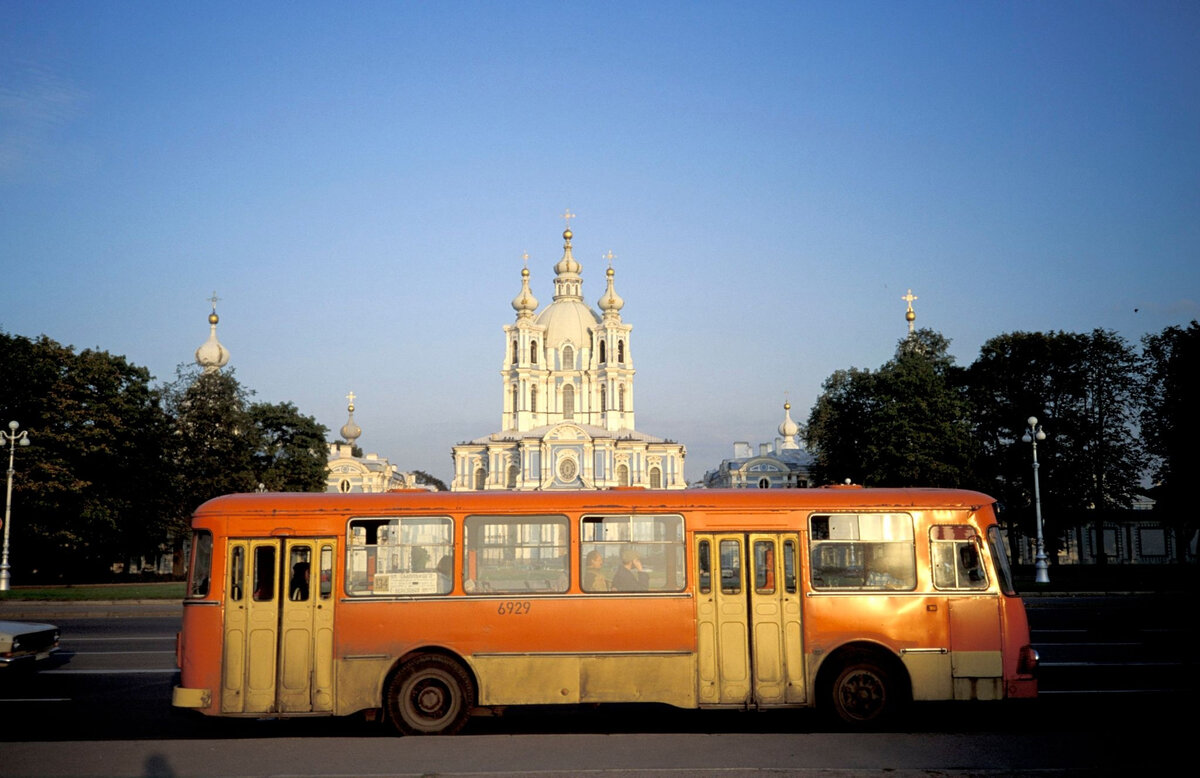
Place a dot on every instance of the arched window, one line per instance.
(533, 399)
(764, 483)
(622, 475)
(513, 471)
(603, 399)
(655, 478)
(516, 398)
(533, 352)
(515, 356)
(621, 399)
(602, 354)
(621, 351)
(480, 478)
(568, 401)
(568, 358)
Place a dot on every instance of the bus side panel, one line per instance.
(526, 650)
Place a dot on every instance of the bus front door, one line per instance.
(748, 620)
(278, 652)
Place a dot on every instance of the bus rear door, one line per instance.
(278, 644)
(748, 620)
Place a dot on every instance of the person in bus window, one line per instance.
(445, 572)
(630, 577)
(593, 577)
(298, 590)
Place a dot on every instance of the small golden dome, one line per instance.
(213, 318)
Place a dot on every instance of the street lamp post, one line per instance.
(12, 439)
(1040, 564)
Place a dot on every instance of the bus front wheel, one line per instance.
(864, 692)
(430, 695)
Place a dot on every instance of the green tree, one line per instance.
(213, 439)
(1170, 420)
(1081, 388)
(85, 491)
(290, 453)
(421, 477)
(906, 424)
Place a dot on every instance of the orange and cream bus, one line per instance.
(426, 607)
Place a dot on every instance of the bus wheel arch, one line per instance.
(429, 693)
(863, 685)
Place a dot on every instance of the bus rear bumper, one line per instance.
(1022, 688)
(183, 697)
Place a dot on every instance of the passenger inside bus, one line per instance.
(594, 580)
(630, 577)
(298, 590)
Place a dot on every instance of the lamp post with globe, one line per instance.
(1040, 564)
(12, 439)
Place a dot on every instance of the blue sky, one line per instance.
(358, 183)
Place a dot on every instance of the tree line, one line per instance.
(1119, 421)
(118, 463)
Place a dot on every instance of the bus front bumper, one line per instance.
(183, 697)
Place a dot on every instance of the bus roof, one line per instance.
(631, 500)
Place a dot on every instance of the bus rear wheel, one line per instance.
(430, 695)
(864, 693)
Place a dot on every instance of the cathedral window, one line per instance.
(621, 352)
(533, 352)
(568, 401)
(515, 356)
(622, 475)
(764, 483)
(513, 471)
(621, 399)
(533, 399)
(568, 358)
(603, 399)
(480, 478)
(603, 357)
(655, 478)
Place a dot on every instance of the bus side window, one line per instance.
(264, 573)
(202, 552)
(764, 567)
(326, 579)
(237, 574)
(704, 562)
(957, 563)
(789, 566)
(731, 567)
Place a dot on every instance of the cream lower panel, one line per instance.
(540, 679)
(978, 664)
(360, 683)
(930, 675)
(961, 675)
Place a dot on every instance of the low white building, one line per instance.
(779, 465)
(370, 473)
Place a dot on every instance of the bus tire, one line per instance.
(430, 695)
(864, 692)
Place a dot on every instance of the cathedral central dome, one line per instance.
(568, 321)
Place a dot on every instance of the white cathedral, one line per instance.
(567, 398)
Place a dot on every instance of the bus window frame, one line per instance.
(200, 580)
(472, 558)
(850, 542)
(960, 537)
(396, 558)
(672, 542)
